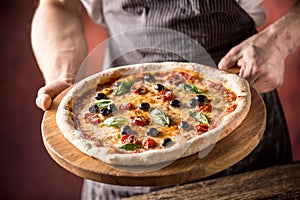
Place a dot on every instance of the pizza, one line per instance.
(151, 113)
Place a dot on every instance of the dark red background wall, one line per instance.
(27, 171)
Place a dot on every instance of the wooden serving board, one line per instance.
(224, 154)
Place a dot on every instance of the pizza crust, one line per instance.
(185, 148)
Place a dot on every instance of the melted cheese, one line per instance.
(110, 136)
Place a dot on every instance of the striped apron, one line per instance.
(217, 25)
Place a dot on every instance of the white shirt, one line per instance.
(253, 7)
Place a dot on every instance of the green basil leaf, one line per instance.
(159, 117)
(199, 117)
(103, 103)
(122, 88)
(190, 88)
(130, 147)
(116, 122)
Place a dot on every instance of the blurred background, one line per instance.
(28, 170)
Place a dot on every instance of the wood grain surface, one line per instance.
(278, 182)
(224, 154)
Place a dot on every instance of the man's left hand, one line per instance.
(260, 60)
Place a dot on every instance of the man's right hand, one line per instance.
(47, 93)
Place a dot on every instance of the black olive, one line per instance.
(125, 130)
(175, 103)
(184, 125)
(105, 112)
(94, 109)
(112, 107)
(149, 78)
(144, 106)
(159, 87)
(166, 142)
(193, 102)
(201, 98)
(100, 96)
(152, 132)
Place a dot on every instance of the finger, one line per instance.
(230, 59)
(47, 93)
(43, 101)
(249, 70)
(246, 73)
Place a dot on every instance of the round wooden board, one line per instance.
(224, 154)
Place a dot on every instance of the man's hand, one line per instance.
(47, 93)
(261, 58)
(260, 61)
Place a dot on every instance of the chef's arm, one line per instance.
(58, 44)
(261, 58)
(285, 32)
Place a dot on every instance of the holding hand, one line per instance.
(260, 60)
(47, 93)
(261, 57)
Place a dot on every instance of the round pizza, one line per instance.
(151, 113)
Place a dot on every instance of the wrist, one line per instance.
(64, 78)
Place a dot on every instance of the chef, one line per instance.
(225, 29)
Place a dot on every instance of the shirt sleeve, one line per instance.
(94, 10)
(255, 9)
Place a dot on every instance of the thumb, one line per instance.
(230, 59)
(47, 93)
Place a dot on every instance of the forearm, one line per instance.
(285, 32)
(58, 39)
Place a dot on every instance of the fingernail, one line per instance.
(46, 102)
(220, 66)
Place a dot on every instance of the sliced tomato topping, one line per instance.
(139, 90)
(165, 95)
(148, 143)
(206, 107)
(231, 108)
(140, 120)
(126, 106)
(230, 96)
(129, 139)
(201, 128)
(187, 76)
